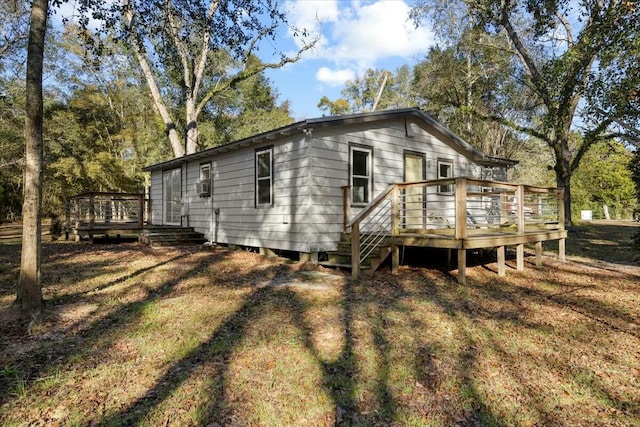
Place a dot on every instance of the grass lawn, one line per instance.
(191, 337)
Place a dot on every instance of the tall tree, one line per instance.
(14, 29)
(190, 40)
(249, 108)
(454, 83)
(29, 291)
(11, 149)
(603, 182)
(377, 88)
(577, 65)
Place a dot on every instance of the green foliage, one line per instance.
(360, 94)
(193, 53)
(14, 30)
(11, 149)
(97, 141)
(562, 55)
(249, 108)
(334, 108)
(462, 85)
(604, 178)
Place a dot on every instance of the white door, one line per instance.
(172, 196)
(413, 200)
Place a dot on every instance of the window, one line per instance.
(361, 177)
(445, 170)
(203, 186)
(264, 177)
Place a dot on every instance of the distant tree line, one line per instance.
(553, 84)
(101, 124)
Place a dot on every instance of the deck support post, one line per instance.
(395, 258)
(462, 266)
(140, 210)
(267, 252)
(561, 250)
(520, 257)
(501, 258)
(355, 251)
(538, 254)
(461, 226)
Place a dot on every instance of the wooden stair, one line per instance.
(158, 236)
(342, 257)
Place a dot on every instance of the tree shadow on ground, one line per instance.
(470, 305)
(373, 306)
(100, 332)
(338, 375)
(605, 241)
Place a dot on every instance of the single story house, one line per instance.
(286, 189)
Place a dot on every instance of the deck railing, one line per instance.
(455, 208)
(100, 209)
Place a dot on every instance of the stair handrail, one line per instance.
(370, 207)
(354, 227)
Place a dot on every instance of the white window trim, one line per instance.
(369, 178)
(206, 166)
(445, 188)
(258, 179)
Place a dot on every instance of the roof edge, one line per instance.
(326, 121)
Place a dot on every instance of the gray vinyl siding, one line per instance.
(308, 175)
(283, 225)
(389, 141)
(156, 197)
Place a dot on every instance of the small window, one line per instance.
(445, 170)
(203, 187)
(264, 177)
(361, 178)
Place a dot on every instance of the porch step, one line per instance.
(341, 258)
(330, 264)
(171, 236)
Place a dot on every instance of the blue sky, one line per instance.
(353, 36)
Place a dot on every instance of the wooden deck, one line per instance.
(122, 216)
(472, 214)
(105, 214)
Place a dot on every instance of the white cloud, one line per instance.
(311, 15)
(335, 77)
(379, 30)
(354, 36)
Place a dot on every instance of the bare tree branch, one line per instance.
(174, 140)
(243, 75)
(567, 28)
(526, 60)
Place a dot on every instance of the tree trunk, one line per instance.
(191, 131)
(605, 209)
(563, 180)
(29, 291)
(172, 132)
